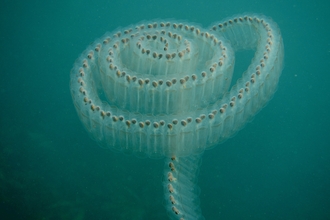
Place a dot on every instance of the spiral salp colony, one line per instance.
(162, 88)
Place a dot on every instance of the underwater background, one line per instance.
(276, 167)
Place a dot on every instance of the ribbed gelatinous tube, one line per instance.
(162, 88)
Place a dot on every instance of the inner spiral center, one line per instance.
(166, 53)
(164, 69)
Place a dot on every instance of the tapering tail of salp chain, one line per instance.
(181, 189)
